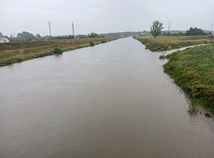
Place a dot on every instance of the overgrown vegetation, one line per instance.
(103, 41)
(57, 51)
(162, 57)
(164, 43)
(193, 70)
(19, 51)
(92, 44)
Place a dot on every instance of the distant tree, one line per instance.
(25, 36)
(166, 33)
(82, 36)
(179, 34)
(93, 35)
(12, 37)
(156, 28)
(38, 37)
(210, 35)
(195, 32)
(64, 37)
(1, 34)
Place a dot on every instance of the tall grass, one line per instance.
(164, 43)
(19, 51)
(193, 71)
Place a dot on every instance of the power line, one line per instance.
(73, 28)
(49, 26)
(169, 27)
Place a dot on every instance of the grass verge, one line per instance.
(193, 70)
(20, 51)
(164, 43)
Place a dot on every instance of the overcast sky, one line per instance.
(102, 15)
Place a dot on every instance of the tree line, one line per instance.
(157, 27)
(27, 36)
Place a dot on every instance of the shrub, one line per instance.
(92, 44)
(103, 41)
(57, 51)
(162, 57)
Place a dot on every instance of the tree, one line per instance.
(210, 35)
(93, 35)
(25, 36)
(156, 28)
(38, 37)
(195, 32)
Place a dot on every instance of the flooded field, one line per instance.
(108, 101)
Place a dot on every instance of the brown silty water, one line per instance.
(108, 101)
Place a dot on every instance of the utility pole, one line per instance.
(212, 28)
(73, 28)
(49, 26)
(169, 27)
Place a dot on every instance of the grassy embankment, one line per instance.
(20, 51)
(164, 43)
(191, 69)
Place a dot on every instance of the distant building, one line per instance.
(4, 39)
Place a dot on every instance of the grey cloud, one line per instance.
(102, 15)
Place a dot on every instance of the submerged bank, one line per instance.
(20, 51)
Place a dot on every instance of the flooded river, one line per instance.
(108, 101)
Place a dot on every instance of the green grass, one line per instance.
(20, 51)
(193, 70)
(162, 57)
(164, 43)
(103, 41)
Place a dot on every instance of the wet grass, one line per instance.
(92, 43)
(20, 51)
(193, 70)
(162, 57)
(164, 43)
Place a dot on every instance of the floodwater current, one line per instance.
(109, 101)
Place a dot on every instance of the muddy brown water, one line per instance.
(108, 101)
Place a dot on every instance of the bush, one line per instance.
(92, 44)
(103, 41)
(162, 57)
(57, 51)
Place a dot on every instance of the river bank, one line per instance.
(193, 71)
(164, 43)
(20, 51)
